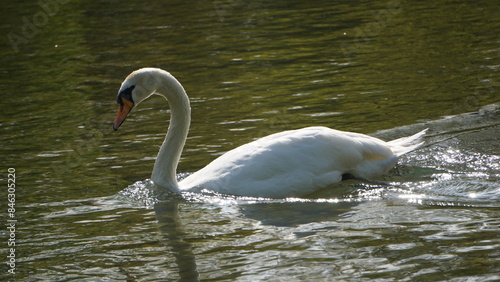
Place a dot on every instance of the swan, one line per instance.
(291, 163)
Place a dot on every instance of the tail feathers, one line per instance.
(407, 144)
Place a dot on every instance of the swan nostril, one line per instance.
(120, 102)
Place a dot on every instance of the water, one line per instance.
(84, 209)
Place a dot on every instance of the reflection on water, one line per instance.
(86, 211)
(170, 227)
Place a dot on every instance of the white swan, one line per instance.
(286, 164)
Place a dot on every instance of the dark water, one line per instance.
(388, 68)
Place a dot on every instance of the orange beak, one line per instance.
(123, 109)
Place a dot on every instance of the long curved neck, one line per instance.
(164, 171)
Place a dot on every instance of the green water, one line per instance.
(250, 69)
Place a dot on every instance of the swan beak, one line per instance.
(123, 109)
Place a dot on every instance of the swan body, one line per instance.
(286, 164)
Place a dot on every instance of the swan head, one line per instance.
(138, 86)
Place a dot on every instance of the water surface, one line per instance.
(83, 202)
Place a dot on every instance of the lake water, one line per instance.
(83, 207)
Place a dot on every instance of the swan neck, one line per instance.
(165, 168)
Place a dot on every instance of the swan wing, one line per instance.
(292, 163)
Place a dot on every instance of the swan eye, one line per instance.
(125, 94)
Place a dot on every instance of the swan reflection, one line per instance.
(174, 237)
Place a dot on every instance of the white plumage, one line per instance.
(286, 164)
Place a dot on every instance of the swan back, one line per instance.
(290, 163)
